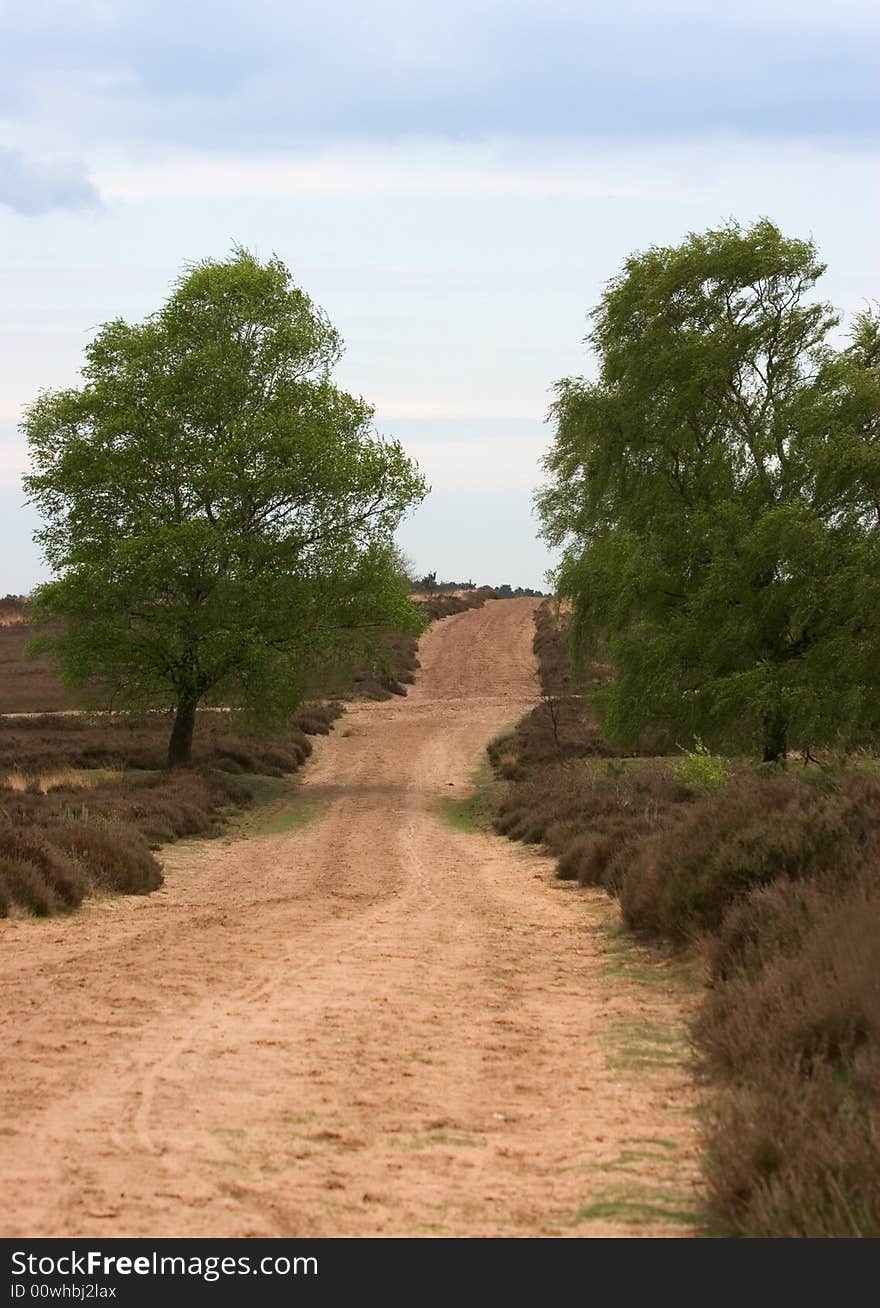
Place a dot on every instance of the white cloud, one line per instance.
(494, 168)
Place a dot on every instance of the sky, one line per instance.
(453, 183)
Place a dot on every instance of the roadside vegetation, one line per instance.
(708, 757)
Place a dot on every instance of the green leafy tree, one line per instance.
(218, 514)
(716, 495)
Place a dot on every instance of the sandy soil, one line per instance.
(372, 1025)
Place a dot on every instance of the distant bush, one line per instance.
(701, 769)
(13, 610)
(442, 604)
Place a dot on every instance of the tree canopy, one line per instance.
(219, 515)
(716, 495)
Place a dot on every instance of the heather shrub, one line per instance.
(588, 814)
(793, 1036)
(37, 874)
(749, 833)
(115, 856)
(47, 865)
(796, 1156)
(820, 996)
(551, 647)
(588, 858)
(575, 856)
(22, 885)
(402, 657)
(62, 874)
(87, 796)
(138, 741)
(58, 846)
(764, 924)
(446, 605)
(313, 724)
(26, 685)
(443, 606)
(552, 732)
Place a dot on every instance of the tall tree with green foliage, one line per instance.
(219, 515)
(716, 496)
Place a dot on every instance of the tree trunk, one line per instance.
(180, 744)
(775, 735)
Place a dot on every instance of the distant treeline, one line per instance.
(430, 583)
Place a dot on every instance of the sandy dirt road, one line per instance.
(372, 1025)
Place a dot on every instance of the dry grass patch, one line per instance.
(43, 783)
